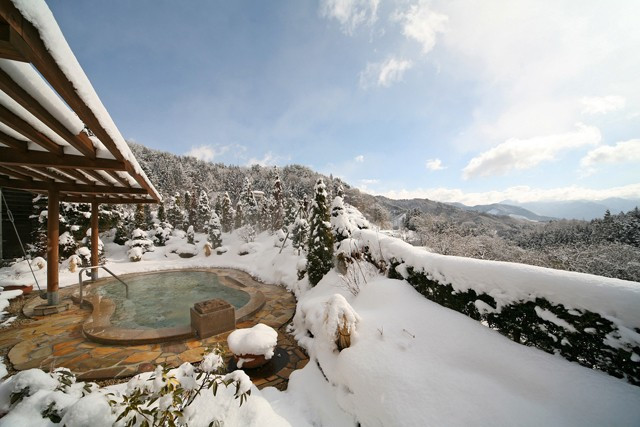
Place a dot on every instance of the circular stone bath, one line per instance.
(159, 302)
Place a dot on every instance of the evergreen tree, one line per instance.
(277, 205)
(265, 214)
(190, 204)
(162, 217)
(191, 236)
(174, 213)
(290, 210)
(148, 218)
(122, 233)
(250, 207)
(339, 222)
(215, 234)
(239, 217)
(320, 257)
(203, 212)
(139, 219)
(299, 234)
(226, 212)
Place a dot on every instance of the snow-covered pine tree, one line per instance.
(191, 207)
(148, 218)
(320, 256)
(339, 222)
(203, 212)
(139, 218)
(138, 245)
(239, 216)
(174, 212)
(161, 215)
(226, 213)
(265, 214)
(290, 210)
(215, 232)
(251, 209)
(277, 204)
(300, 234)
(38, 218)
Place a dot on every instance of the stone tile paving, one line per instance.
(57, 341)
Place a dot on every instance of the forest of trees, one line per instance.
(202, 195)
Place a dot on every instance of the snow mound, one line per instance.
(258, 340)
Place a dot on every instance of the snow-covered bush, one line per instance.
(340, 225)
(191, 236)
(165, 397)
(161, 235)
(215, 232)
(340, 321)
(279, 238)
(247, 233)
(67, 245)
(138, 245)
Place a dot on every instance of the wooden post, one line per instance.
(53, 232)
(94, 238)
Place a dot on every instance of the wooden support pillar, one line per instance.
(94, 238)
(53, 232)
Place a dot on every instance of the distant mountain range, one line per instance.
(502, 209)
(578, 209)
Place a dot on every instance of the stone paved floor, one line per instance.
(57, 341)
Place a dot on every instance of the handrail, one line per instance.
(93, 267)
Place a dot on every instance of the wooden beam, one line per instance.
(13, 142)
(68, 188)
(28, 42)
(24, 128)
(7, 51)
(53, 235)
(55, 175)
(98, 177)
(29, 103)
(118, 178)
(105, 200)
(78, 175)
(41, 158)
(11, 172)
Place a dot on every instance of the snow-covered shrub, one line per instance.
(301, 268)
(340, 225)
(186, 250)
(215, 232)
(191, 235)
(165, 397)
(84, 254)
(279, 238)
(138, 245)
(340, 321)
(67, 245)
(247, 233)
(122, 233)
(86, 241)
(222, 250)
(161, 235)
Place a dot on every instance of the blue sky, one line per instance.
(465, 101)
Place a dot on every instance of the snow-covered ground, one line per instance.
(411, 361)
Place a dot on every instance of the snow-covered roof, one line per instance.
(55, 133)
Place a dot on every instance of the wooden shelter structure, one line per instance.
(56, 137)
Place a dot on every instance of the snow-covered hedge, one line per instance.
(592, 320)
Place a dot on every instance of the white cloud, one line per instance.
(520, 194)
(422, 24)
(625, 151)
(527, 153)
(369, 181)
(434, 165)
(207, 153)
(267, 160)
(602, 104)
(383, 74)
(359, 159)
(350, 13)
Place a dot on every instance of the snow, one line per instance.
(550, 317)
(37, 12)
(510, 282)
(411, 361)
(257, 340)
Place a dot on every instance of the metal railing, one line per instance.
(94, 267)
